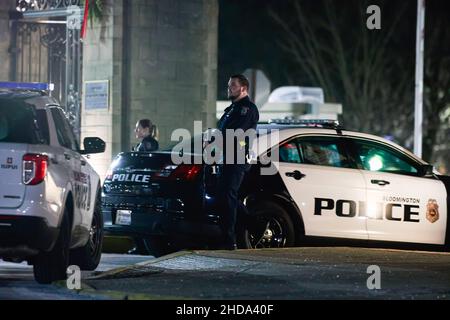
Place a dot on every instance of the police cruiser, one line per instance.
(327, 183)
(50, 211)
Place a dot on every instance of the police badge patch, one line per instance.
(432, 211)
(244, 111)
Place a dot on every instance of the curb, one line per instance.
(117, 271)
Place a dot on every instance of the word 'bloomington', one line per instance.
(143, 178)
(351, 209)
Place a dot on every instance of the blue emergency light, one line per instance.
(28, 86)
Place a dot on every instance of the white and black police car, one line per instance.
(326, 184)
(50, 212)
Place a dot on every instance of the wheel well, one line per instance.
(291, 209)
(295, 215)
(69, 205)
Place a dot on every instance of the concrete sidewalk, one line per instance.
(271, 274)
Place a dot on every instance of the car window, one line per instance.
(64, 133)
(42, 120)
(321, 151)
(377, 157)
(70, 134)
(289, 153)
(18, 123)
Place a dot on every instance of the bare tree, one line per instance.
(355, 66)
(437, 80)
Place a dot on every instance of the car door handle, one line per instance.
(297, 175)
(380, 182)
(67, 156)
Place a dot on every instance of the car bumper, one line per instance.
(23, 236)
(153, 223)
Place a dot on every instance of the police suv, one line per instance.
(311, 180)
(50, 211)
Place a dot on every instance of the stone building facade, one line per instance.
(160, 58)
(5, 39)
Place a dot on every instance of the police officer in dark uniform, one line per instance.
(241, 114)
(148, 133)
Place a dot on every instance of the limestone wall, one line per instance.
(160, 58)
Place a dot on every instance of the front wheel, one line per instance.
(156, 246)
(267, 226)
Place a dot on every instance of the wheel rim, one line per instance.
(268, 233)
(94, 235)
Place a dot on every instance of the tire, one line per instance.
(88, 256)
(140, 247)
(156, 246)
(268, 225)
(52, 266)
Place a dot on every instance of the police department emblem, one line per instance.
(244, 111)
(432, 211)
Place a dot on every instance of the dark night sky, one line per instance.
(248, 36)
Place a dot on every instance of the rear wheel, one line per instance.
(156, 246)
(52, 266)
(267, 226)
(88, 256)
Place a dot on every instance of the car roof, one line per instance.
(18, 94)
(37, 98)
(287, 131)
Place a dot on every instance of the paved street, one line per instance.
(270, 274)
(295, 273)
(16, 280)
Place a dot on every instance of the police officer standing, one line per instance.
(147, 132)
(241, 114)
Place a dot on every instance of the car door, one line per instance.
(72, 161)
(402, 205)
(328, 191)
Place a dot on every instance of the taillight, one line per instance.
(34, 169)
(186, 172)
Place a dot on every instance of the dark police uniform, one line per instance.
(147, 144)
(244, 115)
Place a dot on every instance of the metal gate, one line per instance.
(46, 47)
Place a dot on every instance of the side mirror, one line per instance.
(93, 145)
(426, 170)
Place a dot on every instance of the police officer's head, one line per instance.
(145, 128)
(238, 87)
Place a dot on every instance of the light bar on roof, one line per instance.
(306, 122)
(28, 86)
